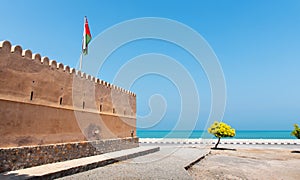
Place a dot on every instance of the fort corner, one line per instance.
(48, 109)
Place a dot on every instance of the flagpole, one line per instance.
(83, 45)
(80, 62)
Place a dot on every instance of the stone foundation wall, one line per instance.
(28, 156)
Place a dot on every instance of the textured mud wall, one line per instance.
(43, 102)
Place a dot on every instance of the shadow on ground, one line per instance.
(223, 149)
(14, 176)
(295, 152)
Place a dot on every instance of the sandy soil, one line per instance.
(248, 164)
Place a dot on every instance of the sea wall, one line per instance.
(45, 102)
(23, 157)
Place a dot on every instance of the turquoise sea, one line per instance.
(205, 134)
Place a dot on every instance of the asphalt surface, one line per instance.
(168, 163)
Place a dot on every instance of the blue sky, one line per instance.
(257, 44)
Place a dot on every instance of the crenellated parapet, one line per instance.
(6, 48)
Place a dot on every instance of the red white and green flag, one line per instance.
(87, 37)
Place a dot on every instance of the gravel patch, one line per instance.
(255, 163)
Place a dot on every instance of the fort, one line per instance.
(50, 112)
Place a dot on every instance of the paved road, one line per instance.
(168, 163)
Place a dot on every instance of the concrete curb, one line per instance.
(223, 141)
(187, 167)
(61, 169)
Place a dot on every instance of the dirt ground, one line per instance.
(248, 164)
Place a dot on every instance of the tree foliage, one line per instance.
(296, 131)
(220, 130)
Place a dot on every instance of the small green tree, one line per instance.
(220, 129)
(296, 131)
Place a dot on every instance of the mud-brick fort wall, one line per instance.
(44, 102)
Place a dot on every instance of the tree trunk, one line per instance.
(217, 143)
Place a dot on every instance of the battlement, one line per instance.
(7, 48)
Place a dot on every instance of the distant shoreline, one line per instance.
(192, 134)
